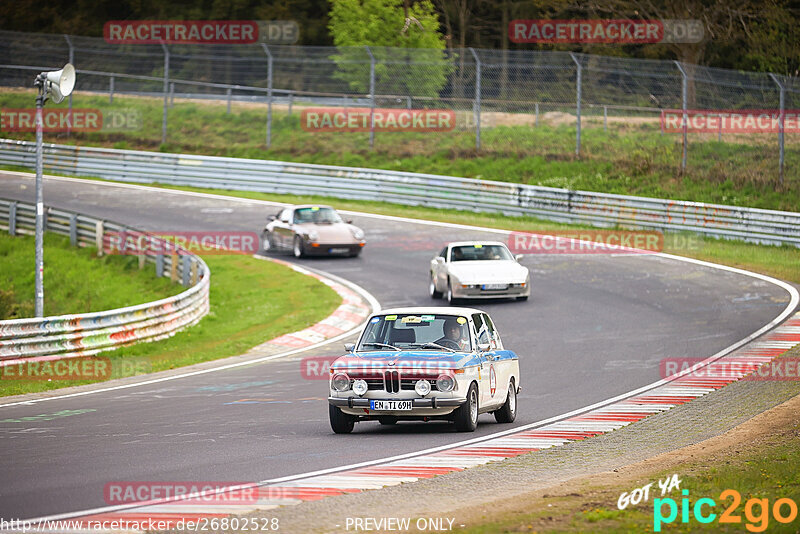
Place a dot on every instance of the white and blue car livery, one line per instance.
(427, 363)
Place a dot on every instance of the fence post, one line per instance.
(371, 97)
(69, 106)
(781, 123)
(73, 230)
(171, 94)
(719, 128)
(159, 265)
(578, 90)
(685, 121)
(605, 118)
(12, 219)
(111, 90)
(291, 101)
(269, 93)
(536, 124)
(185, 269)
(166, 89)
(230, 95)
(476, 106)
(98, 237)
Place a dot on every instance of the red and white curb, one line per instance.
(410, 468)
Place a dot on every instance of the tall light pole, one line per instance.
(56, 85)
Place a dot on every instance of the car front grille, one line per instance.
(392, 382)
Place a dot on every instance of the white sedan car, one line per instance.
(478, 270)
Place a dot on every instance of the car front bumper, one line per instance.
(430, 407)
(329, 249)
(478, 293)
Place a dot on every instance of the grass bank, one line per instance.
(252, 301)
(631, 158)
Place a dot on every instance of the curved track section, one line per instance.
(596, 327)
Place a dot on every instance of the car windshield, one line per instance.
(316, 215)
(416, 331)
(480, 252)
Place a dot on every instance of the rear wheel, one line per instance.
(298, 248)
(508, 411)
(341, 423)
(432, 289)
(466, 418)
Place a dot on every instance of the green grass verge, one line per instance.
(765, 468)
(780, 262)
(252, 301)
(631, 158)
(75, 279)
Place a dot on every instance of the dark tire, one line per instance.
(266, 241)
(508, 411)
(466, 418)
(298, 249)
(341, 423)
(432, 290)
(522, 299)
(387, 420)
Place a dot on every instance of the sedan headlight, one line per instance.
(340, 382)
(445, 383)
(422, 387)
(359, 387)
(358, 233)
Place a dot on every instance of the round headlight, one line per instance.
(313, 235)
(422, 387)
(359, 387)
(445, 383)
(358, 233)
(340, 382)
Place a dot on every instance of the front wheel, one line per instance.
(432, 289)
(466, 418)
(448, 295)
(341, 423)
(266, 239)
(508, 411)
(298, 248)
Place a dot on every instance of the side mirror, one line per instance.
(484, 347)
(439, 259)
(349, 347)
(518, 257)
(349, 221)
(271, 218)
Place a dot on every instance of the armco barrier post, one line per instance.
(578, 89)
(194, 272)
(111, 90)
(185, 275)
(781, 123)
(685, 121)
(98, 237)
(166, 96)
(12, 219)
(476, 106)
(73, 230)
(173, 267)
(229, 93)
(371, 97)
(269, 93)
(159, 265)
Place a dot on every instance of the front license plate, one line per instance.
(339, 250)
(390, 405)
(494, 286)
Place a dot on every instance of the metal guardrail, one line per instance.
(67, 336)
(561, 205)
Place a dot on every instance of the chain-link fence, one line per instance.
(488, 91)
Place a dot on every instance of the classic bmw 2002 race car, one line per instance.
(430, 363)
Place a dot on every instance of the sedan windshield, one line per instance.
(316, 215)
(447, 333)
(480, 252)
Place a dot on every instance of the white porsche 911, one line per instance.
(478, 270)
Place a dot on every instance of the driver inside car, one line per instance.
(455, 334)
